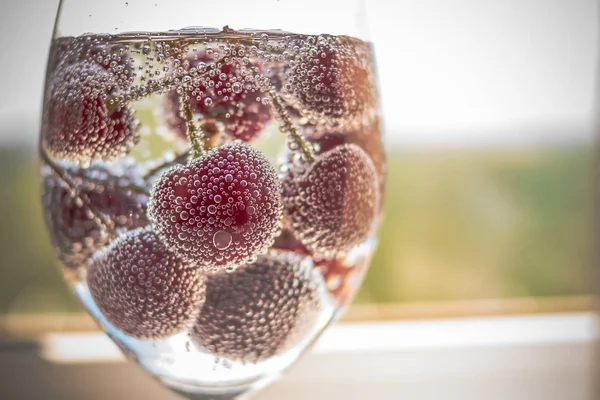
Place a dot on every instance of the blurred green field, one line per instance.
(459, 224)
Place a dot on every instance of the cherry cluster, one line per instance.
(221, 245)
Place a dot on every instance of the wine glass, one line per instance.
(212, 178)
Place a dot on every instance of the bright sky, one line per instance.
(449, 70)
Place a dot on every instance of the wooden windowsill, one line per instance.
(34, 325)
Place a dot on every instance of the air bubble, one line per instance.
(222, 240)
(237, 88)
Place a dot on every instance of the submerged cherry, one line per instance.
(78, 123)
(221, 91)
(368, 138)
(142, 288)
(330, 78)
(75, 230)
(332, 204)
(221, 209)
(261, 309)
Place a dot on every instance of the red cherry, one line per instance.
(343, 278)
(330, 77)
(143, 289)
(332, 204)
(75, 232)
(287, 241)
(220, 92)
(368, 139)
(77, 125)
(261, 309)
(221, 209)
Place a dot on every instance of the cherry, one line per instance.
(75, 231)
(220, 92)
(368, 138)
(330, 78)
(142, 288)
(343, 277)
(78, 124)
(220, 210)
(331, 205)
(287, 241)
(211, 128)
(261, 309)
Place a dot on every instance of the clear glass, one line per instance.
(212, 178)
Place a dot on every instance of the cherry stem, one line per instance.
(288, 125)
(98, 216)
(130, 187)
(179, 159)
(194, 132)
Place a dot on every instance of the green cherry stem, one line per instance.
(288, 126)
(194, 132)
(179, 159)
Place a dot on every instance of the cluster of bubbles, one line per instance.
(219, 245)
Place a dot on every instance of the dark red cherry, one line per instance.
(330, 206)
(75, 230)
(78, 124)
(261, 309)
(331, 79)
(368, 138)
(220, 210)
(143, 289)
(287, 241)
(222, 92)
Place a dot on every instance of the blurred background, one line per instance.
(489, 109)
(490, 116)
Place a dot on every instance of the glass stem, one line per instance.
(218, 397)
